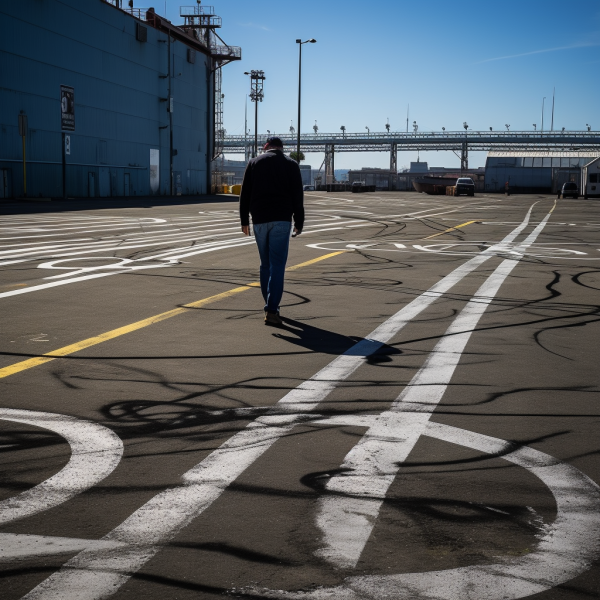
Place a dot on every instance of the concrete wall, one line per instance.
(119, 116)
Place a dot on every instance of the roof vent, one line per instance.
(141, 33)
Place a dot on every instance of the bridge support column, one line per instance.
(393, 180)
(464, 157)
(329, 164)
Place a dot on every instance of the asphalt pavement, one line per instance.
(423, 426)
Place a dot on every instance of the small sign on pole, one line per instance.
(68, 145)
(67, 108)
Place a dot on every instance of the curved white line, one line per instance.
(92, 575)
(95, 452)
(567, 548)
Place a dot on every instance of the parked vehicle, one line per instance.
(309, 188)
(358, 187)
(569, 189)
(465, 185)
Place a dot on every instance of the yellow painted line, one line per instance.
(115, 333)
(451, 229)
(13, 285)
(553, 207)
(315, 260)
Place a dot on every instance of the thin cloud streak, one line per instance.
(572, 47)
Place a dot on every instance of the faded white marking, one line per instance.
(93, 575)
(566, 549)
(95, 452)
(11, 262)
(52, 284)
(347, 517)
(15, 546)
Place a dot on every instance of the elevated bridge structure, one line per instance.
(394, 141)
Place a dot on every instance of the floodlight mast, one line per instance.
(257, 79)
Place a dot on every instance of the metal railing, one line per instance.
(434, 135)
(138, 13)
(447, 140)
(226, 51)
(197, 11)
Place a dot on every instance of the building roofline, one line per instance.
(544, 153)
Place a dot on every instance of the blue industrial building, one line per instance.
(104, 101)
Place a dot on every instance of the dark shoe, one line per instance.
(272, 318)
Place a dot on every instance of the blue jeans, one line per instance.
(273, 241)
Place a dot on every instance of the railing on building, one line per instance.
(197, 11)
(138, 13)
(226, 52)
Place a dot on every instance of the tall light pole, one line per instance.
(543, 101)
(257, 79)
(300, 44)
(246, 131)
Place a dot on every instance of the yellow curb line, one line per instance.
(115, 333)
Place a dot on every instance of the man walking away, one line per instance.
(272, 193)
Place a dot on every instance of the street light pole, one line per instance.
(300, 44)
(255, 153)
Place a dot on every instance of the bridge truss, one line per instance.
(455, 141)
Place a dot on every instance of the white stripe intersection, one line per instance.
(94, 574)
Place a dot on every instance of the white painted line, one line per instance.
(95, 452)
(566, 549)
(94, 575)
(15, 547)
(347, 517)
(11, 262)
(52, 284)
(67, 248)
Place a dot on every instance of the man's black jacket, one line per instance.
(272, 190)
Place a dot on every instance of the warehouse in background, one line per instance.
(538, 171)
(99, 100)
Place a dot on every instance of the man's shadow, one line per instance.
(328, 342)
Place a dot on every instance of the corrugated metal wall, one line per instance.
(119, 116)
(533, 171)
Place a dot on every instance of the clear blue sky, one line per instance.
(487, 63)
